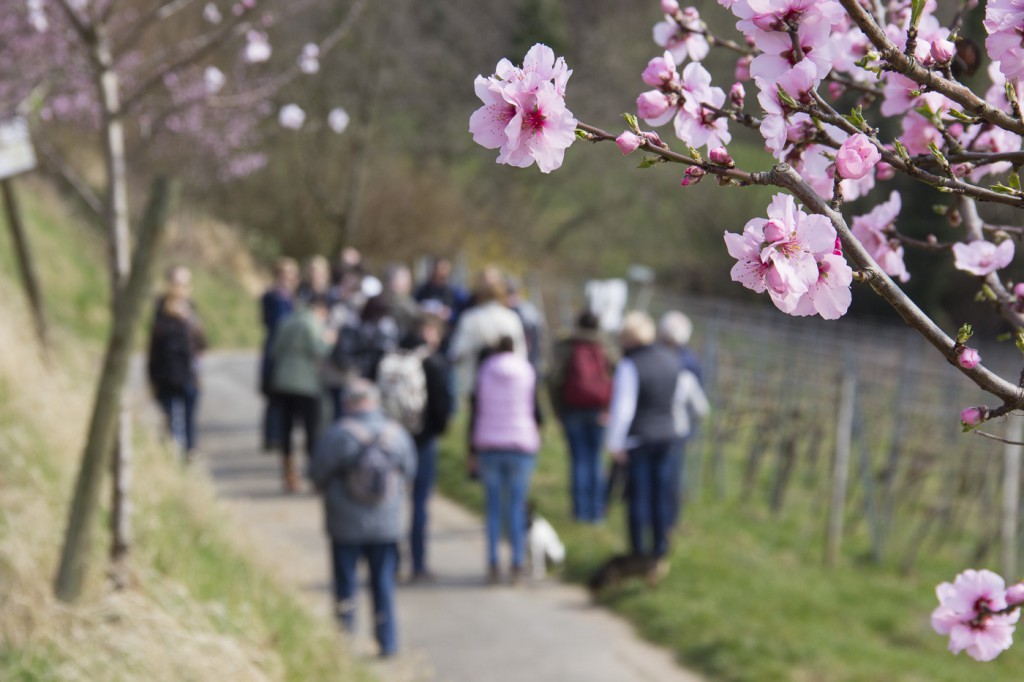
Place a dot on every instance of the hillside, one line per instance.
(199, 607)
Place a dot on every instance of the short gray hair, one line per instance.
(361, 394)
(675, 329)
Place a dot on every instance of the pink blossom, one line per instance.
(972, 416)
(1015, 594)
(968, 358)
(213, 80)
(743, 68)
(628, 142)
(737, 94)
(309, 60)
(1018, 290)
(257, 47)
(870, 230)
(692, 176)
(338, 120)
(524, 114)
(856, 157)
(1004, 22)
(797, 83)
(291, 116)
(669, 6)
(686, 41)
(212, 13)
(883, 171)
(967, 613)
(654, 107)
(778, 55)
(982, 257)
(661, 71)
(720, 156)
(943, 50)
(696, 124)
(830, 295)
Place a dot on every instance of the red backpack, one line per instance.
(587, 382)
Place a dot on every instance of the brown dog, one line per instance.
(614, 572)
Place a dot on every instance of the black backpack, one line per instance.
(373, 477)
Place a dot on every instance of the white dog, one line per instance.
(544, 545)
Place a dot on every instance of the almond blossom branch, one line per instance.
(973, 226)
(900, 63)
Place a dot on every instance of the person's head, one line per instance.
(375, 309)
(361, 395)
(505, 345)
(179, 282)
(397, 279)
(587, 320)
(637, 330)
(441, 272)
(675, 329)
(318, 273)
(350, 258)
(320, 305)
(490, 286)
(286, 273)
(431, 329)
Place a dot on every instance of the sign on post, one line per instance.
(16, 153)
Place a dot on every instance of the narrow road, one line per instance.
(455, 630)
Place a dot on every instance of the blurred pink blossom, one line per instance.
(856, 157)
(972, 416)
(982, 257)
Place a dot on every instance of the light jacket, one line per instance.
(297, 351)
(505, 405)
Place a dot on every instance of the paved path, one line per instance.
(455, 630)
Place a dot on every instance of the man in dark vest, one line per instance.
(641, 432)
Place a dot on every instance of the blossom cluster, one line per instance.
(524, 114)
(978, 612)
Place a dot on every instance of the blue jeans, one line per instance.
(179, 406)
(426, 471)
(383, 560)
(506, 478)
(585, 436)
(651, 494)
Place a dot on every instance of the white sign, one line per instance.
(16, 153)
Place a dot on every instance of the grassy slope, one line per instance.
(200, 609)
(748, 599)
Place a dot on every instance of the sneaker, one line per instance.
(422, 577)
(493, 577)
(517, 576)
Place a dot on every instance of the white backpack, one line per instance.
(403, 388)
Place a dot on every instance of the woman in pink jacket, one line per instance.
(506, 440)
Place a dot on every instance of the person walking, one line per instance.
(642, 432)
(175, 344)
(580, 386)
(427, 343)
(300, 345)
(362, 466)
(690, 404)
(505, 440)
(275, 305)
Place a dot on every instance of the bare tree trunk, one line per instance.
(108, 88)
(108, 401)
(841, 467)
(26, 265)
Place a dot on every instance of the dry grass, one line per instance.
(221, 619)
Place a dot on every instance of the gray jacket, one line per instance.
(348, 521)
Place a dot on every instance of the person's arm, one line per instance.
(697, 398)
(625, 386)
(439, 400)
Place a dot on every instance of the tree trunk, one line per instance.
(107, 405)
(116, 208)
(26, 265)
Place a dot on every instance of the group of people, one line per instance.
(385, 364)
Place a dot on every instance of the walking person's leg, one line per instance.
(383, 560)
(593, 485)
(575, 437)
(639, 485)
(310, 407)
(664, 467)
(520, 473)
(344, 559)
(289, 410)
(191, 401)
(490, 474)
(423, 484)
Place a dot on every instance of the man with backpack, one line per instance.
(581, 388)
(362, 466)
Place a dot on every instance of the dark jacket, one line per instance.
(657, 371)
(562, 354)
(174, 345)
(437, 370)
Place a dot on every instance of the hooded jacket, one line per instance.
(505, 405)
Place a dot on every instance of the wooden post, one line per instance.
(1011, 497)
(107, 403)
(26, 266)
(841, 469)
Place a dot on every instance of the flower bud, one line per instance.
(737, 94)
(856, 157)
(659, 72)
(836, 90)
(720, 156)
(968, 358)
(943, 51)
(962, 169)
(743, 68)
(655, 139)
(837, 248)
(692, 176)
(1015, 594)
(628, 142)
(651, 104)
(1018, 290)
(972, 416)
(669, 6)
(884, 171)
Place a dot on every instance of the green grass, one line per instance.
(748, 598)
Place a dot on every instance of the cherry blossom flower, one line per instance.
(291, 116)
(524, 114)
(1004, 22)
(856, 157)
(695, 123)
(257, 47)
(967, 613)
(654, 107)
(870, 229)
(338, 120)
(982, 257)
(829, 296)
(968, 358)
(661, 72)
(682, 41)
(778, 55)
(1015, 594)
(797, 82)
(212, 13)
(213, 80)
(309, 60)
